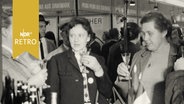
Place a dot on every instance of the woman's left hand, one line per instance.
(92, 63)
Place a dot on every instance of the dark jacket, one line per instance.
(106, 47)
(95, 47)
(174, 93)
(65, 77)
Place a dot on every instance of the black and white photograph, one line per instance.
(92, 52)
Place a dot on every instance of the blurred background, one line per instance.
(105, 14)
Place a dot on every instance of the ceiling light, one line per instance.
(132, 3)
(155, 7)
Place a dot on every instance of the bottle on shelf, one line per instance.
(9, 93)
(19, 92)
(33, 97)
(25, 97)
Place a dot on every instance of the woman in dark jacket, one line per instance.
(78, 76)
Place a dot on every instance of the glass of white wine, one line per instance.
(126, 59)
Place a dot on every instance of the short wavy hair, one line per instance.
(161, 22)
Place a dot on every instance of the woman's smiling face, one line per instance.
(152, 36)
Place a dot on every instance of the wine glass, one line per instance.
(126, 59)
(83, 67)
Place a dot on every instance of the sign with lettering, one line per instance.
(99, 24)
(56, 5)
(95, 5)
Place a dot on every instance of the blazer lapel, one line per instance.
(141, 62)
(144, 59)
(72, 59)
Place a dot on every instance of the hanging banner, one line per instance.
(179, 3)
(25, 27)
(95, 5)
(118, 8)
(56, 5)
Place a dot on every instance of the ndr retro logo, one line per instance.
(25, 39)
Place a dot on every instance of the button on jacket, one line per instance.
(65, 77)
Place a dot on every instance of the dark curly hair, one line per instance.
(75, 21)
(113, 33)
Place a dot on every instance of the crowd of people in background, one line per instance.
(82, 71)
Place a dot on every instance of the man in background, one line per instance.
(46, 45)
(64, 46)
